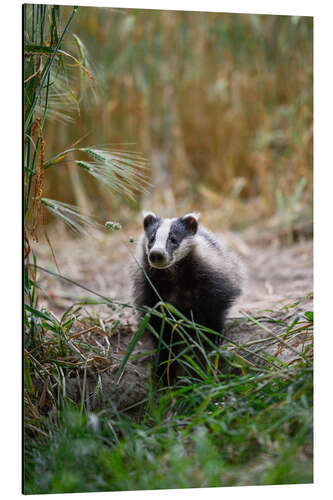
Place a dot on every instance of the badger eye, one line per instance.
(173, 240)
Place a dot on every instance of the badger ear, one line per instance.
(191, 221)
(148, 218)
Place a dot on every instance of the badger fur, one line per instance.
(190, 270)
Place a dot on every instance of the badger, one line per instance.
(182, 263)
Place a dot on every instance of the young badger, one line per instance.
(190, 270)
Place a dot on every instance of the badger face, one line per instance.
(168, 240)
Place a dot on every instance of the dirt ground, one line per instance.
(277, 275)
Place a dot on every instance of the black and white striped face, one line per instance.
(168, 240)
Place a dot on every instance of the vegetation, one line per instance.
(244, 430)
(239, 423)
(232, 419)
(220, 103)
(230, 118)
(47, 90)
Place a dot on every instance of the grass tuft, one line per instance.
(231, 423)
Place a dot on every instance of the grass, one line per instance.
(53, 92)
(263, 438)
(207, 97)
(246, 424)
(236, 441)
(238, 414)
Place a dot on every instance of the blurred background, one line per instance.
(219, 104)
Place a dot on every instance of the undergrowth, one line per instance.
(237, 421)
(263, 438)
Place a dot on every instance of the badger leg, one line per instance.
(218, 340)
(214, 319)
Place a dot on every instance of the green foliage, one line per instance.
(244, 436)
(235, 423)
(47, 82)
(51, 93)
(120, 170)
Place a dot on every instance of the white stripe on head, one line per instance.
(162, 234)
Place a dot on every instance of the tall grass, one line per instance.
(53, 91)
(221, 103)
(47, 93)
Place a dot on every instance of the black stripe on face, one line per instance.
(178, 231)
(151, 229)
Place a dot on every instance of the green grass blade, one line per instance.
(132, 345)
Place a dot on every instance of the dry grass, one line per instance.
(220, 103)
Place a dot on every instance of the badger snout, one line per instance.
(158, 258)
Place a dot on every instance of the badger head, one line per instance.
(167, 241)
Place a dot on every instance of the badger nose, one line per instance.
(157, 257)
